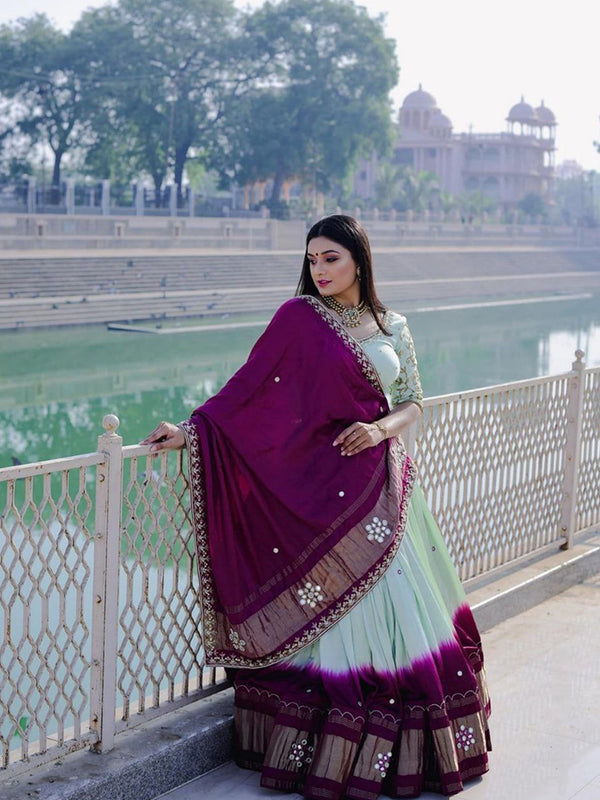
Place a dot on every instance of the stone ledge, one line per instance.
(504, 593)
(146, 761)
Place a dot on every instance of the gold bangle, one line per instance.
(380, 427)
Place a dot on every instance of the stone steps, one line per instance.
(159, 306)
(48, 291)
(86, 275)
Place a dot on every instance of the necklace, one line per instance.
(350, 315)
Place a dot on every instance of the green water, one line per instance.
(57, 384)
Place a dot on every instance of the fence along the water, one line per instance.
(98, 585)
(588, 488)
(98, 601)
(493, 462)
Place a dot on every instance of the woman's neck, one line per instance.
(350, 297)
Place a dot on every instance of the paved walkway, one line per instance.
(544, 673)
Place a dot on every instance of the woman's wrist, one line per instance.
(381, 428)
(181, 428)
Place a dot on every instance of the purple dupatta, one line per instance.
(289, 533)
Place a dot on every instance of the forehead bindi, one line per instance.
(323, 253)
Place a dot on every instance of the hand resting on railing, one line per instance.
(165, 436)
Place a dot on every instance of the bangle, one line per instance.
(380, 427)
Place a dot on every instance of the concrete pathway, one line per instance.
(544, 672)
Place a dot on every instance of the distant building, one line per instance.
(505, 166)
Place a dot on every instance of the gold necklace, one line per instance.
(350, 315)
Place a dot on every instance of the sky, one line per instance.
(476, 58)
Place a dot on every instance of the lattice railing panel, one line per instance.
(491, 465)
(160, 656)
(494, 464)
(46, 558)
(588, 495)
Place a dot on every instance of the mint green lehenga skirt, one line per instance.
(392, 699)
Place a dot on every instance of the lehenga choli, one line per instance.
(325, 580)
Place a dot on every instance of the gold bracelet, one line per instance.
(380, 427)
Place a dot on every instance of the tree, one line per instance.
(475, 203)
(407, 190)
(327, 101)
(389, 184)
(174, 67)
(40, 72)
(577, 199)
(112, 81)
(532, 205)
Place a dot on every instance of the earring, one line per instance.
(358, 273)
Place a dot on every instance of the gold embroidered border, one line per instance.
(210, 617)
(366, 365)
(316, 542)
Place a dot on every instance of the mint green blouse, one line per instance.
(394, 359)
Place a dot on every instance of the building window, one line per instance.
(491, 187)
(405, 156)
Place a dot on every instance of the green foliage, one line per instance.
(299, 88)
(388, 188)
(326, 103)
(401, 188)
(475, 204)
(532, 205)
(39, 71)
(117, 150)
(577, 199)
(162, 72)
(420, 190)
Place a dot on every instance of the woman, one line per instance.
(324, 579)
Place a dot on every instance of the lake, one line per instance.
(57, 384)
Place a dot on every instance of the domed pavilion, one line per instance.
(504, 165)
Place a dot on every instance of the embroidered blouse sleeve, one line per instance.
(407, 385)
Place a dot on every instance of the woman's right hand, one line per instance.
(165, 436)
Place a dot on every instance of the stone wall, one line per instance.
(40, 232)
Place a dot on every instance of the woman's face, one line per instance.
(333, 270)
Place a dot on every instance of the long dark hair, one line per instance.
(350, 234)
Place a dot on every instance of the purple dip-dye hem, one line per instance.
(364, 733)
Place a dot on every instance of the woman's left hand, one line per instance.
(357, 437)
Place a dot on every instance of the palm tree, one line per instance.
(420, 190)
(389, 185)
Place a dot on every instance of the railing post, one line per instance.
(105, 198)
(31, 195)
(70, 196)
(572, 449)
(109, 490)
(139, 199)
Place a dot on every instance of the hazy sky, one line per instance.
(476, 58)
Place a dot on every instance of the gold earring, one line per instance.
(358, 274)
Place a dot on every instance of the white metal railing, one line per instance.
(98, 585)
(511, 468)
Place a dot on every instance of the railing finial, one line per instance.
(110, 423)
(579, 355)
